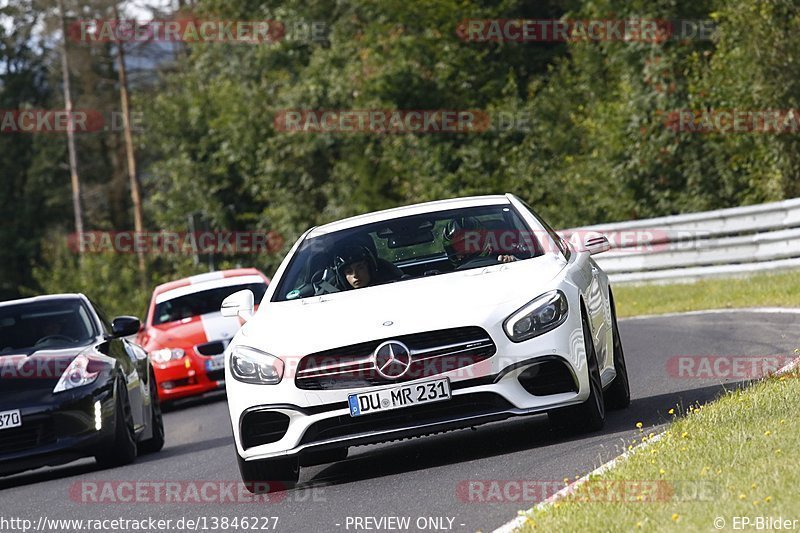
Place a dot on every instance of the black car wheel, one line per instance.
(269, 475)
(591, 414)
(618, 394)
(156, 442)
(122, 450)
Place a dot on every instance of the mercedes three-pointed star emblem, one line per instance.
(392, 359)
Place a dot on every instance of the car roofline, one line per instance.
(208, 277)
(408, 210)
(45, 298)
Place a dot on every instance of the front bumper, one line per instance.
(488, 391)
(336, 429)
(186, 377)
(56, 428)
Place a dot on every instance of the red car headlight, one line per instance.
(165, 355)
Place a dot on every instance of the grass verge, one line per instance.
(734, 457)
(762, 290)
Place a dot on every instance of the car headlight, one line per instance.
(254, 366)
(76, 375)
(541, 315)
(165, 355)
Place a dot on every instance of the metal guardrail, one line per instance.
(724, 242)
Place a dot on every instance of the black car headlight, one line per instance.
(76, 375)
(541, 315)
(249, 365)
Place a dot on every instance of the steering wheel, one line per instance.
(48, 338)
(324, 282)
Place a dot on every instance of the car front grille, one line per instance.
(29, 435)
(431, 353)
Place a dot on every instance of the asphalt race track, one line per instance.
(418, 479)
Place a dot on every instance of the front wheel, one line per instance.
(156, 442)
(591, 414)
(122, 449)
(269, 475)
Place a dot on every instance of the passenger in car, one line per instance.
(462, 242)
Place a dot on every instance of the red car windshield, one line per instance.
(202, 302)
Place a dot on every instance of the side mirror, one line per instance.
(596, 243)
(239, 304)
(124, 326)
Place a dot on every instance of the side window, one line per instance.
(86, 320)
(562, 246)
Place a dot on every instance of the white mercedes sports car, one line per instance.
(417, 320)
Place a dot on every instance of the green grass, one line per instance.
(733, 457)
(763, 290)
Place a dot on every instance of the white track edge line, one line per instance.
(520, 520)
(773, 310)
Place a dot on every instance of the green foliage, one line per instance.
(589, 144)
(109, 279)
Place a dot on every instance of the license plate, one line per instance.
(215, 363)
(10, 419)
(398, 397)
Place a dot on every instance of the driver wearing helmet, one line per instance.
(356, 267)
(462, 242)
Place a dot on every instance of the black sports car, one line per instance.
(72, 386)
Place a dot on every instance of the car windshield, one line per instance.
(47, 324)
(406, 248)
(201, 302)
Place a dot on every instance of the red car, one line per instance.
(185, 333)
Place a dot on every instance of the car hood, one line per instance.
(40, 370)
(474, 297)
(192, 331)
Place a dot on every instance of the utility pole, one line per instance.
(73, 159)
(138, 224)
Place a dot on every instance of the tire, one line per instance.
(156, 442)
(122, 450)
(269, 475)
(591, 414)
(618, 394)
(323, 457)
